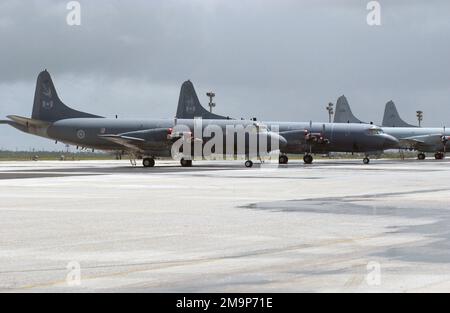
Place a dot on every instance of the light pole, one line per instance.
(330, 110)
(211, 104)
(419, 115)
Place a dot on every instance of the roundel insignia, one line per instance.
(47, 104)
(81, 134)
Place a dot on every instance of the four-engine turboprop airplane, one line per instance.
(141, 138)
(303, 138)
(150, 139)
(410, 137)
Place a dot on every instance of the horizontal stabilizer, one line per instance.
(25, 121)
(344, 113)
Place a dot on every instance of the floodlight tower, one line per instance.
(330, 109)
(419, 115)
(211, 104)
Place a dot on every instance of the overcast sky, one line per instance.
(276, 60)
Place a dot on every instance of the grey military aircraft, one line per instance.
(148, 139)
(435, 140)
(303, 138)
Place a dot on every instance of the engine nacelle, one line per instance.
(315, 138)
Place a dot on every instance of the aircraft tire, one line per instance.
(148, 162)
(186, 163)
(283, 159)
(248, 164)
(366, 160)
(439, 156)
(308, 159)
(421, 156)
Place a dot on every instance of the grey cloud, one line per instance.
(280, 60)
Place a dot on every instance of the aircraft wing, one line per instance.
(130, 143)
(410, 141)
(143, 140)
(421, 141)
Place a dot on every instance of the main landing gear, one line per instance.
(148, 162)
(283, 159)
(308, 159)
(421, 156)
(439, 156)
(186, 163)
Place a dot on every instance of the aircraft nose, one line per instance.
(390, 142)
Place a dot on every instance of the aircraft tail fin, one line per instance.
(190, 107)
(344, 113)
(47, 105)
(391, 117)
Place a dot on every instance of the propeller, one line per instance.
(308, 137)
(444, 140)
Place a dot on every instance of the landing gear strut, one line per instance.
(439, 156)
(308, 159)
(366, 160)
(186, 163)
(421, 156)
(148, 162)
(283, 159)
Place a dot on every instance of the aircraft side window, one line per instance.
(375, 131)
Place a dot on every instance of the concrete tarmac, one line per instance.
(335, 225)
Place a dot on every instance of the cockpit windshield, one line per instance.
(375, 131)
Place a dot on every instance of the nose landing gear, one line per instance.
(248, 163)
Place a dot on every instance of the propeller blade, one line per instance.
(444, 141)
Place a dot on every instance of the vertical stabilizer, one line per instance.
(344, 113)
(190, 107)
(391, 117)
(47, 105)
